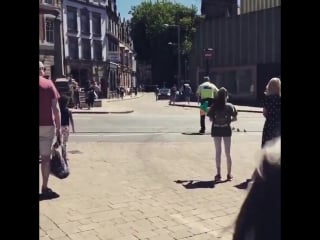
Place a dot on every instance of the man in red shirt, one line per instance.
(49, 125)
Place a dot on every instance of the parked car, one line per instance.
(164, 93)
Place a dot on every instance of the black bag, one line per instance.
(59, 165)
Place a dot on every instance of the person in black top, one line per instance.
(66, 120)
(222, 114)
(271, 111)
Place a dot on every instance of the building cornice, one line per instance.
(89, 4)
(49, 9)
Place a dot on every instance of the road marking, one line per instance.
(82, 117)
(115, 135)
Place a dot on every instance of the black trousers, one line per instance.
(203, 118)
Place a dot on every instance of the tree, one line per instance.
(151, 37)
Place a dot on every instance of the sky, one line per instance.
(124, 6)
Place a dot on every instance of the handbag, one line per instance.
(58, 164)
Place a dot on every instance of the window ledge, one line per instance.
(72, 31)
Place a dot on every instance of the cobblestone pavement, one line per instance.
(147, 190)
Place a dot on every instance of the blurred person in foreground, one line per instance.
(49, 126)
(260, 217)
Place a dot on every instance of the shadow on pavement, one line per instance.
(193, 184)
(194, 133)
(243, 185)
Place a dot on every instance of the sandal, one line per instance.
(229, 177)
(217, 178)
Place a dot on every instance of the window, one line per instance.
(72, 20)
(112, 46)
(85, 22)
(86, 49)
(73, 47)
(229, 81)
(97, 50)
(48, 1)
(244, 78)
(96, 25)
(49, 30)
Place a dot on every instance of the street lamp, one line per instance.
(178, 44)
(208, 55)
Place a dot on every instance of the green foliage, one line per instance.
(148, 30)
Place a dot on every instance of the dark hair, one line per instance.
(63, 101)
(260, 212)
(221, 98)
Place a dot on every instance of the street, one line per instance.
(144, 175)
(157, 118)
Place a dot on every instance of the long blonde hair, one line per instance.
(273, 87)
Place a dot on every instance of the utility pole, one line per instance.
(208, 54)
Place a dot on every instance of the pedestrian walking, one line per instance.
(187, 93)
(66, 120)
(49, 126)
(173, 93)
(156, 93)
(90, 97)
(206, 92)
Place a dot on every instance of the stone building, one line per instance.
(50, 37)
(85, 41)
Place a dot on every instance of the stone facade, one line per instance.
(85, 40)
(50, 37)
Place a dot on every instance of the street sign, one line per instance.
(208, 53)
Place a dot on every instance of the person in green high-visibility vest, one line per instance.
(206, 93)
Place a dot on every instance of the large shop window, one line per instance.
(236, 81)
(97, 50)
(72, 20)
(73, 47)
(50, 30)
(85, 22)
(86, 49)
(244, 78)
(96, 25)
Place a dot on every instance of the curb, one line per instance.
(125, 99)
(239, 110)
(102, 112)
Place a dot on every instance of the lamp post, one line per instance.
(208, 54)
(179, 52)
